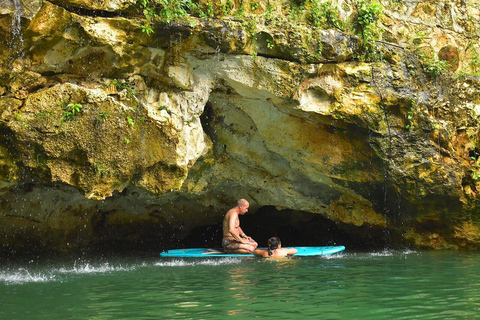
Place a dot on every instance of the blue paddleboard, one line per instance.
(205, 252)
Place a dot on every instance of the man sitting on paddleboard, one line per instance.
(234, 239)
(274, 250)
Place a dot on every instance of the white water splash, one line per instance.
(24, 276)
(382, 254)
(333, 256)
(207, 262)
(88, 268)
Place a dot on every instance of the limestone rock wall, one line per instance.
(113, 135)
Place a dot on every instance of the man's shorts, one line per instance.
(229, 245)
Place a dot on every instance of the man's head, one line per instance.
(243, 205)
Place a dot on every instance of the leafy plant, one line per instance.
(475, 62)
(294, 12)
(173, 9)
(100, 168)
(126, 140)
(409, 124)
(250, 26)
(239, 12)
(268, 12)
(131, 122)
(70, 111)
(324, 14)
(226, 7)
(476, 171)
(420, 37)
(132, 94)
(433, 66)
(366, 21)
(146, 28)
(474, 155)
(270, 44)
(102, 116)
(208, 11)
(164, 10)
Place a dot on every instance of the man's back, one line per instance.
(229, 216)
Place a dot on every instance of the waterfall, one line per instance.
(17, 6)
(16, 39)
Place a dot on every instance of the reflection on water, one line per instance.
(381, 285)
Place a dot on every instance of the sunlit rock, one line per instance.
(108, 5)
(111, 135)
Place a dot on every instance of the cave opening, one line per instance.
(295, 228)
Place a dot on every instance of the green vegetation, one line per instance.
(44, 113)
(409, 121)
(239, 13)
(70, 111)
(366, 22)
(324, 14)
(475, 62)
(165, 10)
(474, 156)
(147, 28)
(191, 120)
(294, 12)
(270, 44)
(476, 171)
(103, 115)
(131, 93)
(433, 66)
(227, 7)
(100, 169)
(130, 121)
(168, 11)
(268, 12)
(164, 108)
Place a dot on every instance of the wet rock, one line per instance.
(109, 133)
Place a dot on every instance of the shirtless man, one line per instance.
(275, 250)
(234, 239)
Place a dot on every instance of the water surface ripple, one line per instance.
(378, 285)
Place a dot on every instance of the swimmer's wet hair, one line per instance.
(273, 244)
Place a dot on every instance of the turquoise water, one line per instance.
(377, 285)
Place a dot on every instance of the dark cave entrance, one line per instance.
(295, 228)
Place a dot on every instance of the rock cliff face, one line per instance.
(115, 134)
